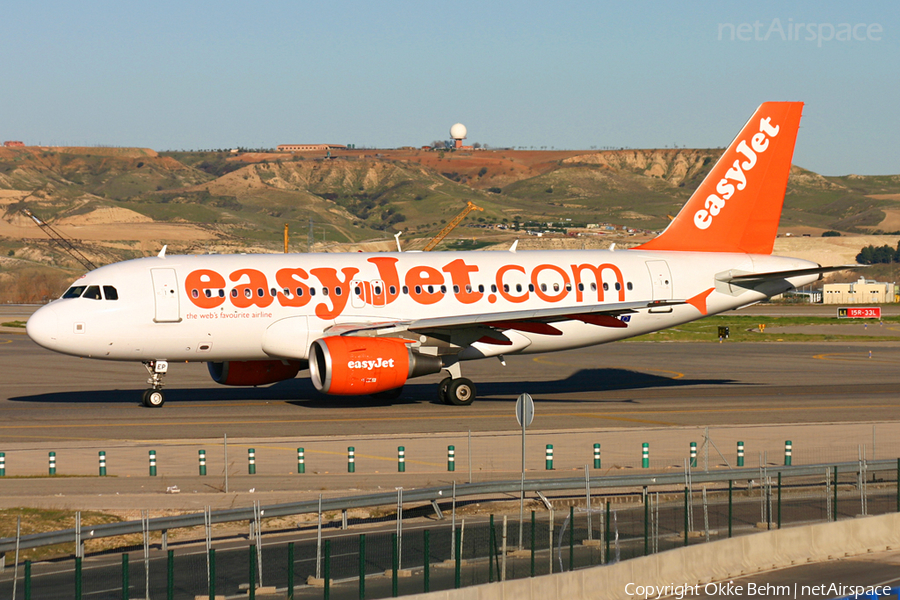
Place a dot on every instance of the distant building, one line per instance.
(864, 291)
(14, 144)
(309, 147)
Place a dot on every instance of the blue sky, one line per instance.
(568, 75)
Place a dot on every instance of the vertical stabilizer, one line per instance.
(738, 206)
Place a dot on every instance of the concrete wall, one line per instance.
(698, 564)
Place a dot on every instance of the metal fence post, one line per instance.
(686, 505)
(212, 574)
(290, 573)
(533, 528)
(362, 566)
(125, 583)
(426, 551)
(78, 578)
(835, 502)
(395, 565)
(730, 508)
(779, 499)
(251, 590)
(646, 523)
(608, 531)
(170, 575)
(571, 538)
(457, 574)
(491, 544)
(27, 580)
(326, 571)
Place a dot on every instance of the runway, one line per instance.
(44, 395)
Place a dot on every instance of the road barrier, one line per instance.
(645, 456)
(351, 459)
(301, 461)
(251, 461)
(788, 448)
(51, 466)
(2, 464)
(401, 459)
(102, 458)
(202, 458)
(548, 458)
(451, 458)
(153, 463)
(740, 454)
(596, 456)
(694, 454)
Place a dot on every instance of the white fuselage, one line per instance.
(257, 307)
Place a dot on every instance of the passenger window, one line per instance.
(543, 287)
(593, 286)
(312, 291)
(357, 290)
(74, 292)
(518, 287)
(555, 287)
(195, 294)
(299, 291)
(92, 293)
(110, 292)
(443, 289)
(480, 288)
(455, 289)
(324, 291)
(207, 293)
(393, 290)
(494, 288)
(274, 292)
(505, 287)
(377, 290)
(530, 287)
(221, 293)
(405, 290)
(605, 287)
(628, 285)
(260, 292)
(338, 291)
(618, 286)
(580, 287)
(248, 293)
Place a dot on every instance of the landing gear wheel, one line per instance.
(461, 392)
(388, 394)
(443, 386)
(153, 398)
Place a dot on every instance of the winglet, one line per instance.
(162, 253)
(738, 206)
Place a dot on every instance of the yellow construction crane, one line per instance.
(450, 226)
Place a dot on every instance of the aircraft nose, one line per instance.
(42, 327)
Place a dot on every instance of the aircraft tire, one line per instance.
(461, 392)
(388, 394)
(442, 390)
(153, 398)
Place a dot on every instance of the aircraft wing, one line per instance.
(596, 314)
(734, 276)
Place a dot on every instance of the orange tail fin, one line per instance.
(738, 205)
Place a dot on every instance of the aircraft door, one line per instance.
(357, 294)
(165, 296)
(660, 279)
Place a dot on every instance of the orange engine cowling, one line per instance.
(254, 372)
(351, 366)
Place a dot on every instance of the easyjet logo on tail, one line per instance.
(736, 176)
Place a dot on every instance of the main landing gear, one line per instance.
(455, 389)
(154, 397)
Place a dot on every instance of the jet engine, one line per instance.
(350, 366)
(254, 372)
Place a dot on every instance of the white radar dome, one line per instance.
(458, 132)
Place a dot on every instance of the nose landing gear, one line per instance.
(154, 397)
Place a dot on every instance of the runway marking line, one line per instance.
(545, 361)
(853, 358)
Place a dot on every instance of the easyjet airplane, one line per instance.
(366, 323)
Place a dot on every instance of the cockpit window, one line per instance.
(110, 293)
(92, 293)
(74, 292)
